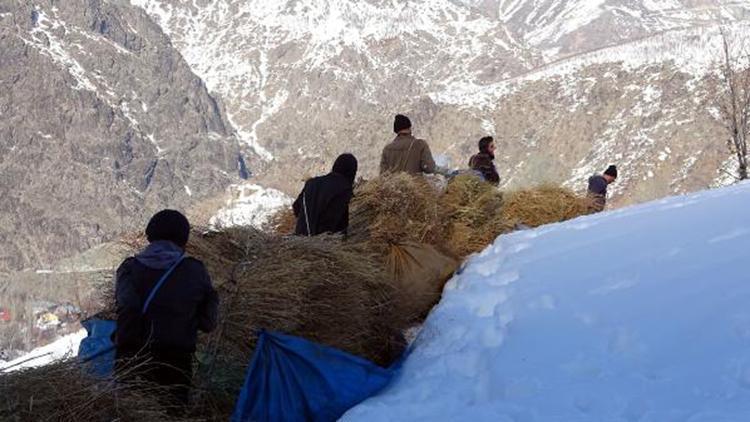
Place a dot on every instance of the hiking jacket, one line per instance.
(482, 162)
(597, 191)
(324, 205)
(408, 154)
(185, 303)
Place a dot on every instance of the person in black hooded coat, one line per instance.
(323, 204)
(156, 338)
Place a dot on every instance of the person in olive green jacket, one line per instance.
(407, 153)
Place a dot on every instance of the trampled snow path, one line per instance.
(642, 314)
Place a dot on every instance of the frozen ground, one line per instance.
(642, 314)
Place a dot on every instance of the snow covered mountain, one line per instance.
(566, 86)
(634, 315)
(101, 123)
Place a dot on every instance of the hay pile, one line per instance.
(543, 205)
(474, 212)
(396, 208)
(318, 288)
(64, 392)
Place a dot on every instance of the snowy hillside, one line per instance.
(567, 87)
(250, 205)
(635, 315)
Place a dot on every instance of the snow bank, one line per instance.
(641, 314)
(64, 347)
(250, 205)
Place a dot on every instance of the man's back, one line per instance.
(597, 191)
(323, 204)
(185, 303)
(407, 154)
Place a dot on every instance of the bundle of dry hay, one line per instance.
(543, 205)
(319, 288)
(396, 208)
(474, 212)
(64, 392)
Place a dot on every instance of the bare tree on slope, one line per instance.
(734, 97)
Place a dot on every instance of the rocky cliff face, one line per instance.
(101, 123)
(566, 86)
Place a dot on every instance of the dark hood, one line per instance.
(346, 165)
(160, 255)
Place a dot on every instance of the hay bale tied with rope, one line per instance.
(63, 391)
(544, 204)
(395, 208)
(474, 214)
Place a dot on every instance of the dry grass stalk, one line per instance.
(543, 205)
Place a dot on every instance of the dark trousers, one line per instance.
(169, 369)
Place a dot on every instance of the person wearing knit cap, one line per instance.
(406, 153)
(323, 204)
(597, 190)
(162, 299)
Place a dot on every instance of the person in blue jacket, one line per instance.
(163, 299)
(597, 190)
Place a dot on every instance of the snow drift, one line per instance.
(635, 315)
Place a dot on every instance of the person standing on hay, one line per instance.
(323, 204)
(598, 184)
(482, 162)
(163, 298)
(407, 153)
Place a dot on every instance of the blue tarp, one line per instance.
(292, 379)
(97, 350)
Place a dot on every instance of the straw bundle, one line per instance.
(396, 208)
(543, 205)
(64, 392)
(314, 287)
(474, 213)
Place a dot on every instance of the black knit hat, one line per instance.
(168, 225)
(400, 123)
(611, 171)
(346, 165)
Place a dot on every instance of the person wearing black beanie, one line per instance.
(323, 204)
(169, 225)
(163, 299)
(401, 123)
(407, 153)
(597, 190)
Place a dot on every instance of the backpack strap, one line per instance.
(304, 208)
(158, 285)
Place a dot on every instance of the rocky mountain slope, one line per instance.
(566, 86)
(101, 123)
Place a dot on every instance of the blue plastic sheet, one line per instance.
(97, 350)
(292, 379)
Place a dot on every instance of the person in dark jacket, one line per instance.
(597, 190)
(323, 204)
(157, 326)
(482, 162)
